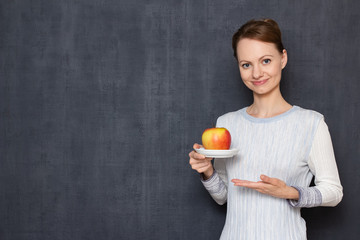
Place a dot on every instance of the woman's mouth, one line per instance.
(258, 83)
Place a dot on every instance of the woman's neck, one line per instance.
(269, 105)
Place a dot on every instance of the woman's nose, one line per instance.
(257, 72)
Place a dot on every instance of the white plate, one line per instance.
(218, 153)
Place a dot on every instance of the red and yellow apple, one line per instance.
(216, 138)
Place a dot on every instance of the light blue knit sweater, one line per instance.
(278, 147)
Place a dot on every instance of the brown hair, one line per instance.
(265, 30)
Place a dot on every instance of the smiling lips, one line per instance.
(258, 83)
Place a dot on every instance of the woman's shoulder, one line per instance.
(304, 113)
(229, 116)
(306, 118)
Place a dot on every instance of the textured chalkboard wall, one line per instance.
(101, 101)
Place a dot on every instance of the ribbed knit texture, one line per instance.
(278, 147)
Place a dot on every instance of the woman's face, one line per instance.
(260, 65)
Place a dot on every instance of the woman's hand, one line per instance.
(200, 163)
(270, 186)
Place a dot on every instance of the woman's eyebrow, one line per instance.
(267, 55)
(243, 61)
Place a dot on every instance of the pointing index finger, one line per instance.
(246, 183)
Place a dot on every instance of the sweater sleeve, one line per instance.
(216, 188)
(328, 190)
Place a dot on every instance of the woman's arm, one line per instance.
(211, 179)
(328, 189)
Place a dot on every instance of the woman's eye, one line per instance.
(246, 65)
(266, 61)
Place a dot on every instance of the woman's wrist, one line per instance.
(293, 193)
(208, 173)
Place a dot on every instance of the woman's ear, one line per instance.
(284, 59)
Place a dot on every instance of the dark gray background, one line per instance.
(101, 101)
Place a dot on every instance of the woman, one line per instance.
(281, 148)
